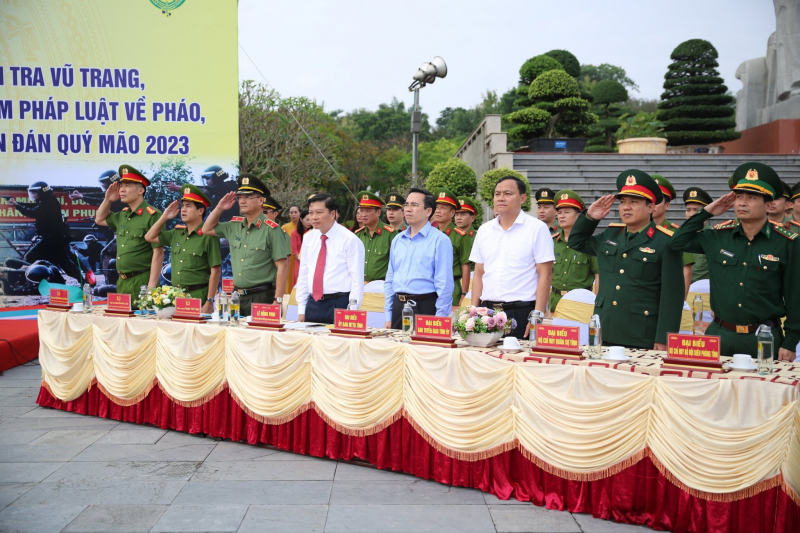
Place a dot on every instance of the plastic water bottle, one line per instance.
(697, 311)
(224, 314)
(87, 298)
(534, 319)
(234, 308)
(352, 305)
(142, 295)
(595, 337)
(408, 318)
(766, 347)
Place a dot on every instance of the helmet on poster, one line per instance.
(43, 270)
(108, 177)
(89, 239)
(166, 274)
(214, 172)
(38, 187)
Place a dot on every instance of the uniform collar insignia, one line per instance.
(139, 212)
(258, 223)
(650, 232)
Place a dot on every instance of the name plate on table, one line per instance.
(188, 310)
(266, 316)
(433, 331)
(350, 323)
(227, 285)
(59, 300)
(558, 341)
(693, 352)
(119, 304)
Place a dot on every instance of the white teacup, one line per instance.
(77, 307)
(742, 359)
(511, 343)
(616, 352)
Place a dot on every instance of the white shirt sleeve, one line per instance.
(542, 245)
(355, 264)
(301, 287)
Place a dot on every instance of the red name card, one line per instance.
(187, 306)
(119, 302)
(267, 313)
(696, 347)
(348, 319)
(227, 285)
(434, 326)
(59, 297)
(558, 337)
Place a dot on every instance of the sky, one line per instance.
(358, 54)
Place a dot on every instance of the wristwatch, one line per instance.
(210, 300)
(279, 300)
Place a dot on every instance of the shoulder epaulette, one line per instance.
(616, 225)
(786, 233)
(728, 224)
(126, 208)
(151, 210)
(556, 236)
(237, 219)
(389, 228)
(665, 231)
(180, 226)
(460, 231)
(271, 224)
(360, 229)
(674, 226)
(794, 222)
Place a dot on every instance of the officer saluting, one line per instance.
(194, 256)
(376, 237)
(640, 296)
(138, 261)
(258, 248)
(752, 264)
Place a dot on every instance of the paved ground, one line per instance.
(65, 472)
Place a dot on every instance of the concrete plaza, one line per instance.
(65, 472)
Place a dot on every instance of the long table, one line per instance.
(621, 442)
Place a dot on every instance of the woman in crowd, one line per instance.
(303, 225)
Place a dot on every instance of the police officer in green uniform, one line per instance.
(641, 287)
(465, 218)
(546, 207)
(752, 265)
(258, 248)
(394, 211)
(695, 199)
(571, 269)
(194, 256)
(446, 205)
(138, 261)
(376, 237)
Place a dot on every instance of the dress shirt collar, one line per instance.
(519, 220)
(424, 231)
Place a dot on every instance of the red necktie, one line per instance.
(319, 273)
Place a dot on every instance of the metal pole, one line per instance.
(416, 125)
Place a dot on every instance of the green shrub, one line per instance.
(489, 181)
(695, 108)
(532, 68)
(553, 85)
(608, 92)
(607, 95)
(530, 123)
(567, 60)
(453, 174)
(598, 148)
(640, 125)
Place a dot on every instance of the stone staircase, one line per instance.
(594, 175)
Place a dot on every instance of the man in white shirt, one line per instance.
(513, 257)
(331, 264)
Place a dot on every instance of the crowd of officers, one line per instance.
(640, 268)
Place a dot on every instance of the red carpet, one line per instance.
(19, 336)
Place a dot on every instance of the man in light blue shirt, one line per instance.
(420, 264)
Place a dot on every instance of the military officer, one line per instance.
(376, 237)
(546, 208)
(777, 210)
(695, 199)
(571, 269)
(138, 262)
(640, 298)
(794, 224)
(752, 264)
(669, 194)
(258, 248)
(194, 256)
(465, 217)
(394, 211)
(446, 205)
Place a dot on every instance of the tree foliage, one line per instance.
(489, 180)
(454, 174)
(591, 75)
(608, 95)
(567, 60)
(695, 106)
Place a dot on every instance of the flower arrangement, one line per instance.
(482, 320)
(160, 297)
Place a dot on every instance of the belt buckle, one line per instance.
(243, 292)
(742, 329)
(402, 297)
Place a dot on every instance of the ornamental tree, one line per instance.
(529, 71)
(489, 180)
(694, 105)
(567, 60)
(456, 175)
(607, 95)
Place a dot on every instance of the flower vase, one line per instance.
(483, 340)
(164, 314)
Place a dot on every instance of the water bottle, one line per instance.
(766, 346)
(697, 311)
(595, 337)
(352, 305)
(234, 308)
(142, 296)
(534, 319)
(87, 298)
(224, 311)
(408, 318)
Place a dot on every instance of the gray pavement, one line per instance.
(65, 472)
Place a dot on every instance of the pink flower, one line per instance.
(492, 322)
(483, 311)
(501, 320)
(472, 310)
(463, 317)
(502, 314)
(485, 319)
(470, 324)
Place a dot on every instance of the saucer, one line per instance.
(615, 359)
(510, 350)
(742, 368)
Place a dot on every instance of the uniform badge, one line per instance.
(139, 212)
(392, 198)
(365, 197)
(651, 232)
(271, 224)
(630, 181)
(258, 223)
(752, 175)
(647, 250)
(186, 190)
(726, 252)
(200, 232)
(124, 171)
(770, 257)
(692, 194)
(442, 195)
(237, 219)
(565, 196)
(150, 210)
(126, 208)
(544, 194)
(612, 243)
(245, 181)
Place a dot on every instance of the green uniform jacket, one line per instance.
(752, 281)
(793, 226)
(134, 253)
(376, 250)
(571, 269)
(641, 282)
(192, 255)
(254, 249)
(461, 250)
(467, 241)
